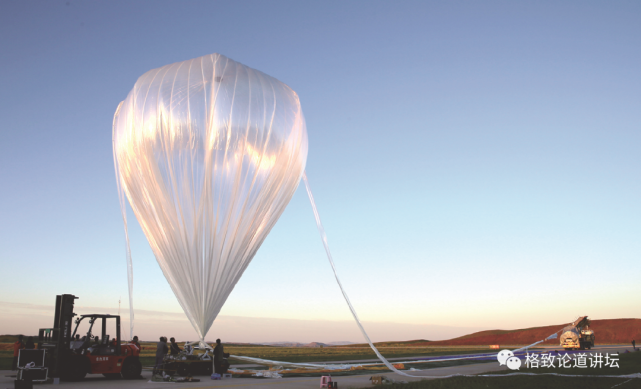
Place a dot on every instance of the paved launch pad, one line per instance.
(97, 381)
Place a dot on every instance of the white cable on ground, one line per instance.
(347, 366)
(331, 262)
(330, 366)
(625, 382)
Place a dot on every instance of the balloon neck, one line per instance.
(203, 345)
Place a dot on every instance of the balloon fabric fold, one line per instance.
(209, 153)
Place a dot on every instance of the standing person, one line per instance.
(135, 341)
(634, 344)
(173, 346)
(17, 346)
(161, 351)
(30, 345)
(219, 356)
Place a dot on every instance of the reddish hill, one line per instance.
(607, 331)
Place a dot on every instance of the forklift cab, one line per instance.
(97, 341)
(71, 358)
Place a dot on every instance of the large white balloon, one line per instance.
(208, 152)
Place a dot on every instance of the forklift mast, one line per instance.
(63, 320)
(57, 340)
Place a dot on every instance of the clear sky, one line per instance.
(476, 164)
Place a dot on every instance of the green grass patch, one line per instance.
(14, 338)
(5, 363)
(6, 358)
(298, 354)
(148, 361)
(304, 354)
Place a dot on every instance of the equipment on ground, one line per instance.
(326, 381)
(31, 368)
(29, 359)
(187, 364)
(36, 374)
(578, 335)
(72, 360)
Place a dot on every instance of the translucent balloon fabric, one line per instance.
(208, 152)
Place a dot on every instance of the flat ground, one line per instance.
(357, 381)
(295, 354)
(629, 363)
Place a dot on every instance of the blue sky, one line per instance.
(474, 163)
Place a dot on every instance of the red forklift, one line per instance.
(71, 355)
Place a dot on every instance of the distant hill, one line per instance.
(408, 343)
(608, 331)
(280, 344)
(315, 344)
(343, 343)
(297, 344)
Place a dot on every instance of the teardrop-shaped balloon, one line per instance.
(208, 152)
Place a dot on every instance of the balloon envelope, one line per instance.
(208, 152)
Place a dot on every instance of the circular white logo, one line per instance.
(503, 355)
(513, 363)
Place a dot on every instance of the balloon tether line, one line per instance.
(123, 211)
(321, 230)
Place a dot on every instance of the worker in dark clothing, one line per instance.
(30, 345)
(173, 347)
(161, 351)
(634, 344)
(137, 344)
(17, 346)
(135, 341)
(220, 364)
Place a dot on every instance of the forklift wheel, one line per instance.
(76, 368)
(131, 368)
